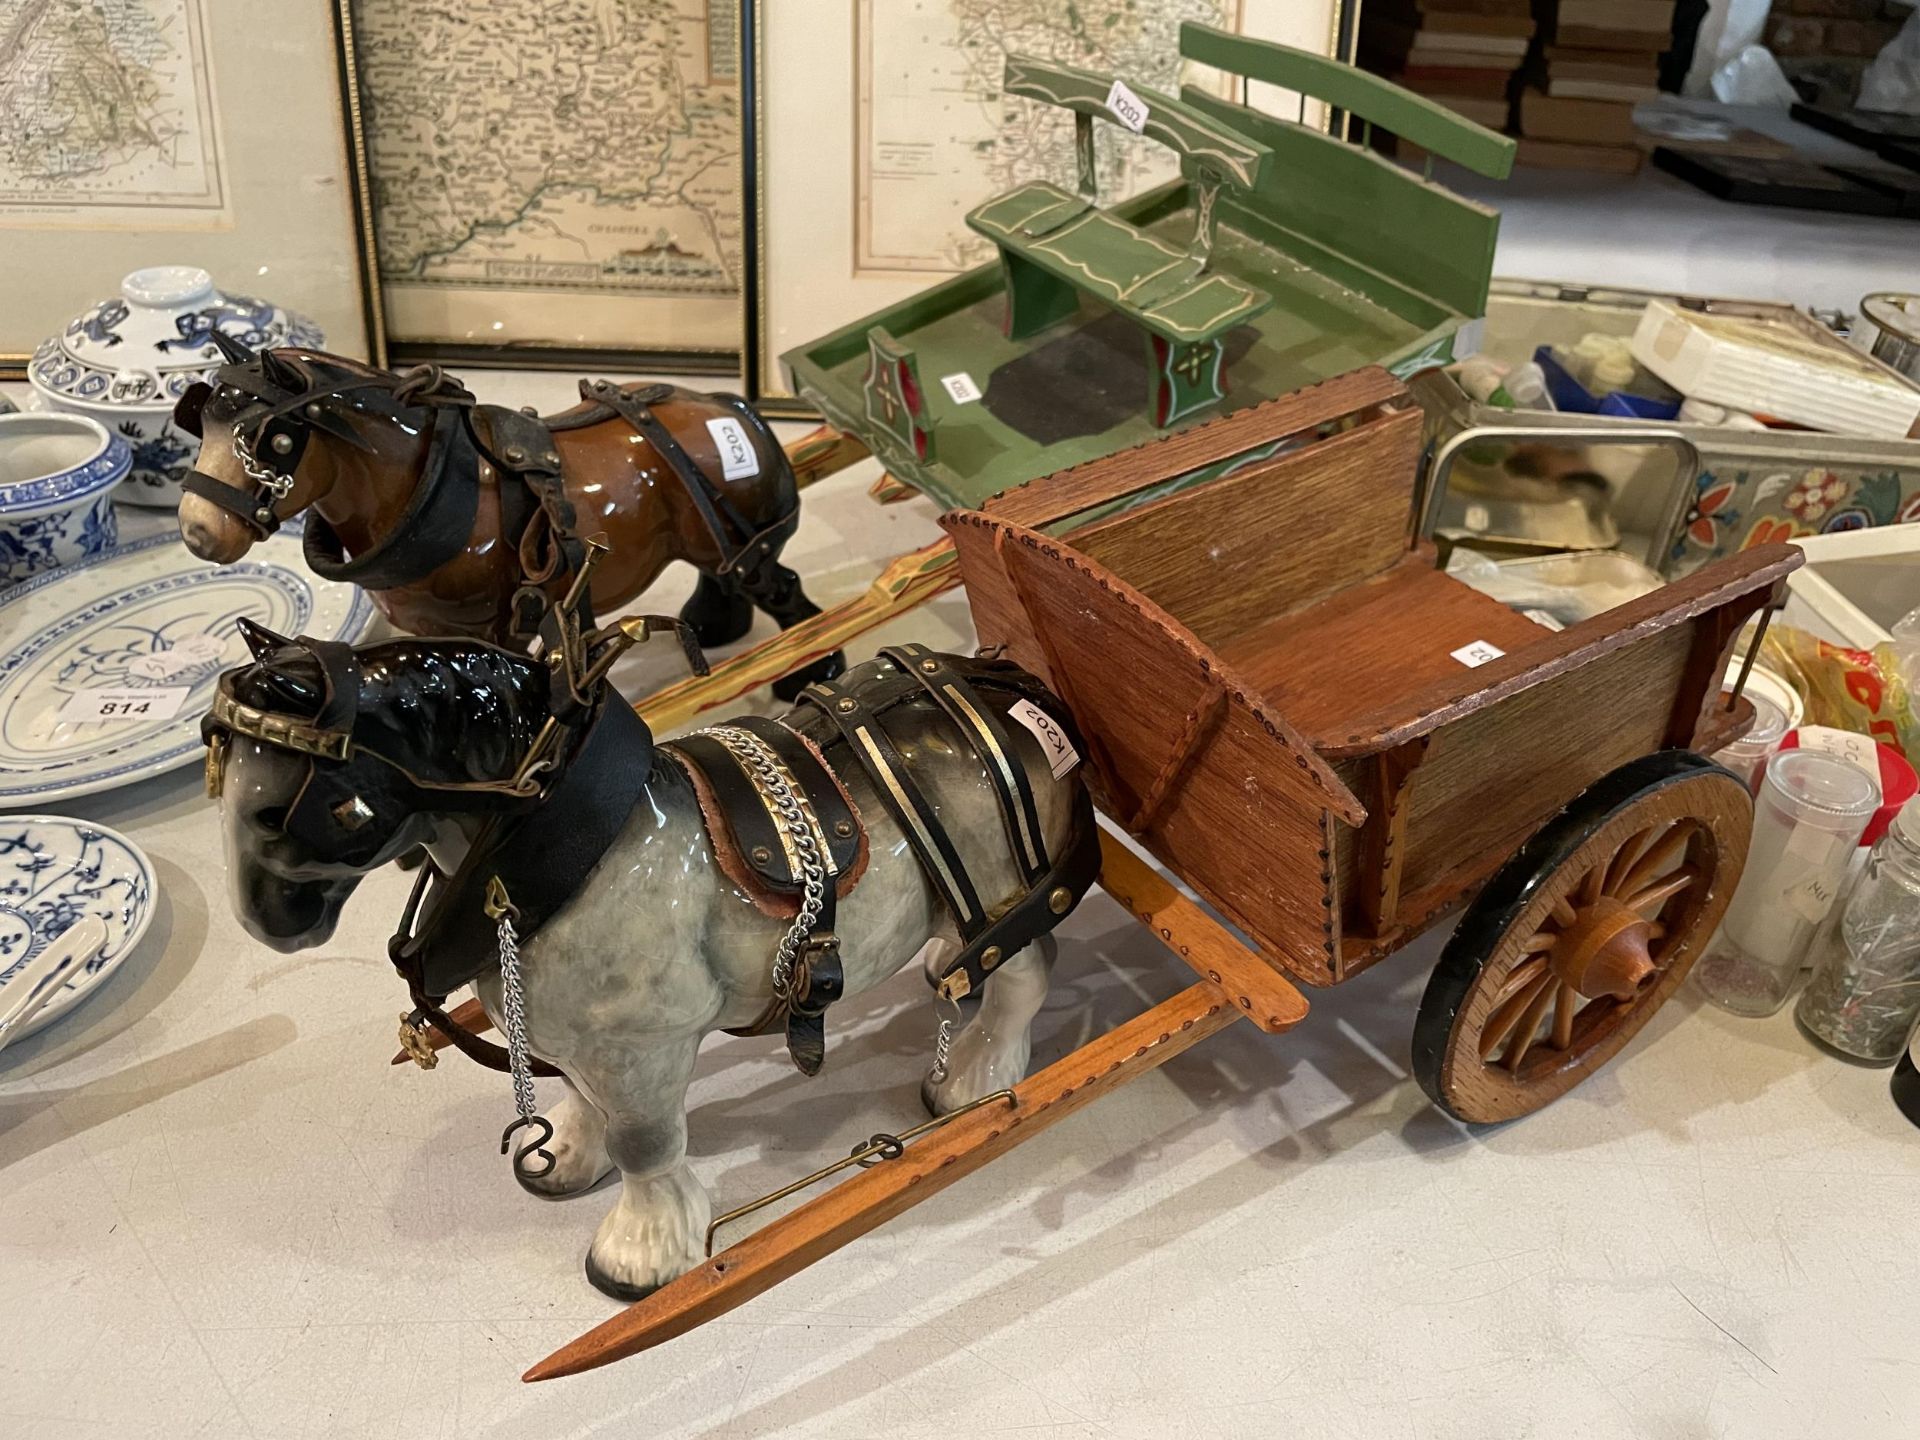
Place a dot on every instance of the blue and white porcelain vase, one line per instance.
(58, 476)
(128, 359)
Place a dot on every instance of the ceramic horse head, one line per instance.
(332, 762)
(458, 517)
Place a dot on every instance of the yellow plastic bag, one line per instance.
(1850, 689)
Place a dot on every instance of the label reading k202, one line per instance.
(1061, 756)
(157, 702)
(737, 458)
(1126, 107)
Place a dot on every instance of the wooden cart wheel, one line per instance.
(1581, 936)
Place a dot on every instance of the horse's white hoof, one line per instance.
(578, 1147)
(656, 1233)
(976, 1067)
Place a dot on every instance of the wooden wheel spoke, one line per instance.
(1662, 891)
(1539, 943)
(1523, 975)
(1503, 1020)
(1654, 861)
(1523, 1033)
(1566, 1004)
(1564, 912)
(1629, 854)
(1591, 884)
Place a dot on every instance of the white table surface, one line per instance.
(223, 1214)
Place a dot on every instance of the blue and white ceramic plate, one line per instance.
(54, 873)
(147, 617)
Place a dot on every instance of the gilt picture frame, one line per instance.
(556, 186)
(229, 149)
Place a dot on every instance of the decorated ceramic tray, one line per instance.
(107, 666)
(54, 873)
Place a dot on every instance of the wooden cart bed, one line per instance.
(1270, 673)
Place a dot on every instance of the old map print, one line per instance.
(560, 172)
(936, 137)
(106, 105)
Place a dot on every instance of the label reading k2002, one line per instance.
(1061, 756)
(737, 458)
(1126, 107)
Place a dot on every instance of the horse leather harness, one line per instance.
(438, 521)
(846, 720)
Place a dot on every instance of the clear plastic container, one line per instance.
(1864, 998)
(1746, 755)
(1807, 819)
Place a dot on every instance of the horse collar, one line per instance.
(540, 855)
(434, 528)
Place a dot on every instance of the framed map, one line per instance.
(558, 181)
(146, 132)
(877, 124)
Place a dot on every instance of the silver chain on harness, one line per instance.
(500, 907)
(271, 481)
(791, 816)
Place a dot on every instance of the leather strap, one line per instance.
(253, 508)
(873, 748)
(981, 726)
(434, 528)
(732, 535)
(754, 832)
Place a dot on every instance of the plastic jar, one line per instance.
(1746, 755)
(1807, 819)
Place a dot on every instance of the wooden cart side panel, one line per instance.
(1743, 581)
(1166, 458)
(1245, 822)
(1492, 777)
(1246, 836)
(1234, 553)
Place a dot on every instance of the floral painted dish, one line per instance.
(127, 360)
(107, 666)
(55, 872)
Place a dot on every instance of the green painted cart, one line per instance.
(1282, 256)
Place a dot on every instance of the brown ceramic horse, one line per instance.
(454, 515)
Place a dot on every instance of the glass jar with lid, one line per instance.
(1864, 997)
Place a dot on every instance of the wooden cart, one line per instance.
(1334, 744)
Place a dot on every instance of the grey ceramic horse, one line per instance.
(654, 951)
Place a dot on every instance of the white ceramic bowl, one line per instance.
(58, 475)
(126, 361)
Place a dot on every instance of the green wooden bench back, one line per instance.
(1427, 123)
(1345, 204)
(1199, 139)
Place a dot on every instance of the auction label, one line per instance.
(127, 702)
(737, 458)
(1061, 755)
(165, 664)
(1126, 107)
(1477, 654)
(961, 388)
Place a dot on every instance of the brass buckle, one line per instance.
(216, 764)
(413, 1040)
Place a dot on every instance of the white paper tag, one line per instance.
(1541, 617)
(961, 388)
(1126, 107)
(737, 458)
(1477, 654)
(1479, 518)
(165, 664)
(1061, 755)
(1850, 745)
(127, 702)
(1812, 896)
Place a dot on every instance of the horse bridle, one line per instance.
(283, 417)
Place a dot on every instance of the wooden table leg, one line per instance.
(850, 1209)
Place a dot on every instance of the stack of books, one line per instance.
(1461, 53)
(1597, 60)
